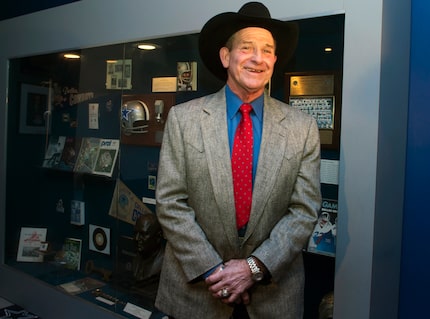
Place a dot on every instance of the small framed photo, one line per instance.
(152, 182)
(30, 241)
(33, 108)
(44, 247)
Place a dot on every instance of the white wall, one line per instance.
(98, 22)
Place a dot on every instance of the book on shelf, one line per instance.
(323, 238)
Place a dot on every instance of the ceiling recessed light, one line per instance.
(147, 46)
(328, 49)
(72, 56)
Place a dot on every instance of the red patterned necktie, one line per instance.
(241, 161)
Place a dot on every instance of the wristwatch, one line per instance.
(256, 272)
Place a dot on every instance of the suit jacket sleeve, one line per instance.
(188, 242)
(296, 190)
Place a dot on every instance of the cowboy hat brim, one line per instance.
(218, 30)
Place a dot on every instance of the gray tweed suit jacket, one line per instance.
(195, 207)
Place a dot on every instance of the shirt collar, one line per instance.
(234, 103)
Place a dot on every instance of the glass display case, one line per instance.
(85, 129)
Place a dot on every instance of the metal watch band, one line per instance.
(257, 273)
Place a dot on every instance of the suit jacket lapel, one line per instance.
(272, 151)
(216, 144)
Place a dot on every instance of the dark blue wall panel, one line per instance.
(415, 277)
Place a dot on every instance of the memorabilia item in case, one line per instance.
(59, 206)
(99, 239)
(137, 311)
(35, 109)
(53, 152)
(97, 156)
(72, 253)
(93, 116)
(30, 241)
(125, 205)
(77, 212)
(323, 238)
(44, 247)
(70, 153)
(321, 108)
(316, 93)
(118, 74)
(134, 117)
(187, 76)
(87, 155)
(106, 158)
(79, 286)
(164, 84)
(311, 84)
(106, 298)
(150, 115)
(329, 172)
(152, 182)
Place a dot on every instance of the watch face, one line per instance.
(258, 276)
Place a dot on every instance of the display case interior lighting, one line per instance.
(71, 56)
(147, 46)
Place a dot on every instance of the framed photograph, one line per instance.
(72, 253)
(30, 241)
(318, 94)
(77, 212)
(321, 108)
(119, 74)
(34, 104)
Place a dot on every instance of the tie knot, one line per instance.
(245, 108)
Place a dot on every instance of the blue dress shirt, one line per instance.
(233, 119)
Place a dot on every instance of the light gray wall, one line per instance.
(370, 72)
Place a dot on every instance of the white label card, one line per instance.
(137, 311)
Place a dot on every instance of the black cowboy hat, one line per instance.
(218, 30)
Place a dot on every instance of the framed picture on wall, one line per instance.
(319, 95)
(30, 242)
(33, 109)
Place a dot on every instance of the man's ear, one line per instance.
(224, 55)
